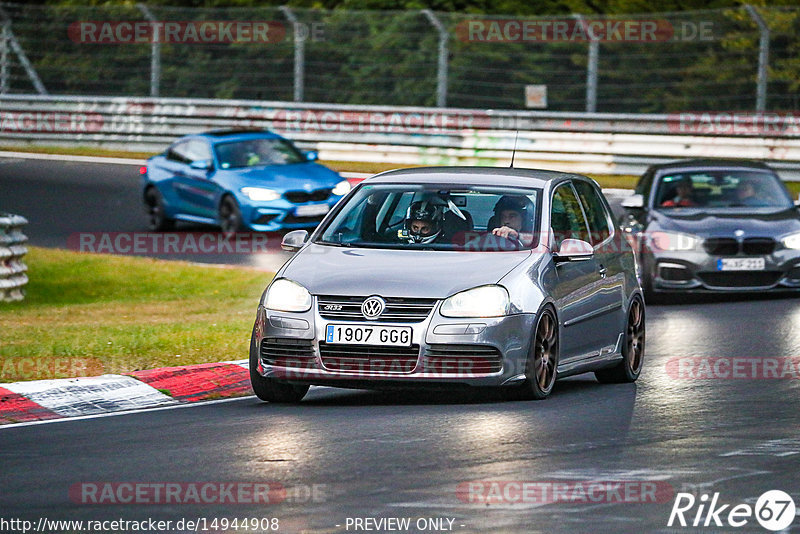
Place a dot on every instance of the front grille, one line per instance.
(721, 246)
(299, 197)
(726, 246)
(294, 219)
(398, 310)
(288, 352)
(369, 358)
(462, 359)
(758, 245)
(736, 279)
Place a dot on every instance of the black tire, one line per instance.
(154, 205)
(230, 217)
(630, 367)
(270, 389)
(542, 361)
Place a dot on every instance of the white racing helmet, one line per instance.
(430, 211)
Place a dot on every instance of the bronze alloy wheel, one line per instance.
(629, 368)
(542, 362)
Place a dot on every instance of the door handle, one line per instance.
(602, 270)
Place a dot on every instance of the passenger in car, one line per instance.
(684, 195)
(513, 219)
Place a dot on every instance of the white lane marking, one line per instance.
(91, 395)
(67, 157)
(125, 412)
(116, 161)
(774, 447)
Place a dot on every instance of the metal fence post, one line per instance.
(4, 58)
(441, 78)
(763, 58)
(591, 67)
(299, 55)
(11, 39)
(155, 51)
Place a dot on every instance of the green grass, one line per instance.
(118, 314)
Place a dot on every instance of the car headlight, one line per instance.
(261, 193)
(672, 241)
(342, 188)
(288, 296)
(484, 301)
(792, 241)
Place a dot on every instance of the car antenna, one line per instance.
(514, 152)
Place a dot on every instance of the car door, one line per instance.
(195, 187)
(578, 282)
(608, 256)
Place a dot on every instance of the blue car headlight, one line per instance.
(342, 188)
(260, 193)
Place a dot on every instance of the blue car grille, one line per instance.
(299, 197)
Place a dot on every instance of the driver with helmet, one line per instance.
(423, 222)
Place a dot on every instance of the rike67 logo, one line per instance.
(774, 510)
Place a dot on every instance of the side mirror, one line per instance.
(312, 155)
(294, 241)
(573, 250)
(635, 201)
(201, 164)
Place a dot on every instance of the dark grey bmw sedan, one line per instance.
(453, 277)
(714, 225)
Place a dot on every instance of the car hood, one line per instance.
(299, 176)
(722, 222)
(330, 270)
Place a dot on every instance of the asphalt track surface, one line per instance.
(406, 454)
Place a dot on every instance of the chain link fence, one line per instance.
(740, 59)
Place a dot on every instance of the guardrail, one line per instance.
(581, 142)
(12, 250)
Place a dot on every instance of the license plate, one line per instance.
(741, 264)
(311, 210)
(368, 335)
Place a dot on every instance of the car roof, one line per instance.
(241, 134)
(710, 163)
(516, 177)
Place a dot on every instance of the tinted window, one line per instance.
(179, 152)
(595, 211)
(566, 217)
(722, 189)
(198, 150)
(254, 152)
(384, 215)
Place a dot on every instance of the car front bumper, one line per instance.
(697, 271)
(443, 351)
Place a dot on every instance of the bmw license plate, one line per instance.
(311, 210)
(741, 264)
(368, 335)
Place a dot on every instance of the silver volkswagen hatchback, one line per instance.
(461, 276)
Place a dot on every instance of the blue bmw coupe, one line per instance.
(239, 180)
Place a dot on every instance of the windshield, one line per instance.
(722, 189)
(253, 152)
(436, 217)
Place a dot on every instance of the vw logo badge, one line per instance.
(373, 307)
